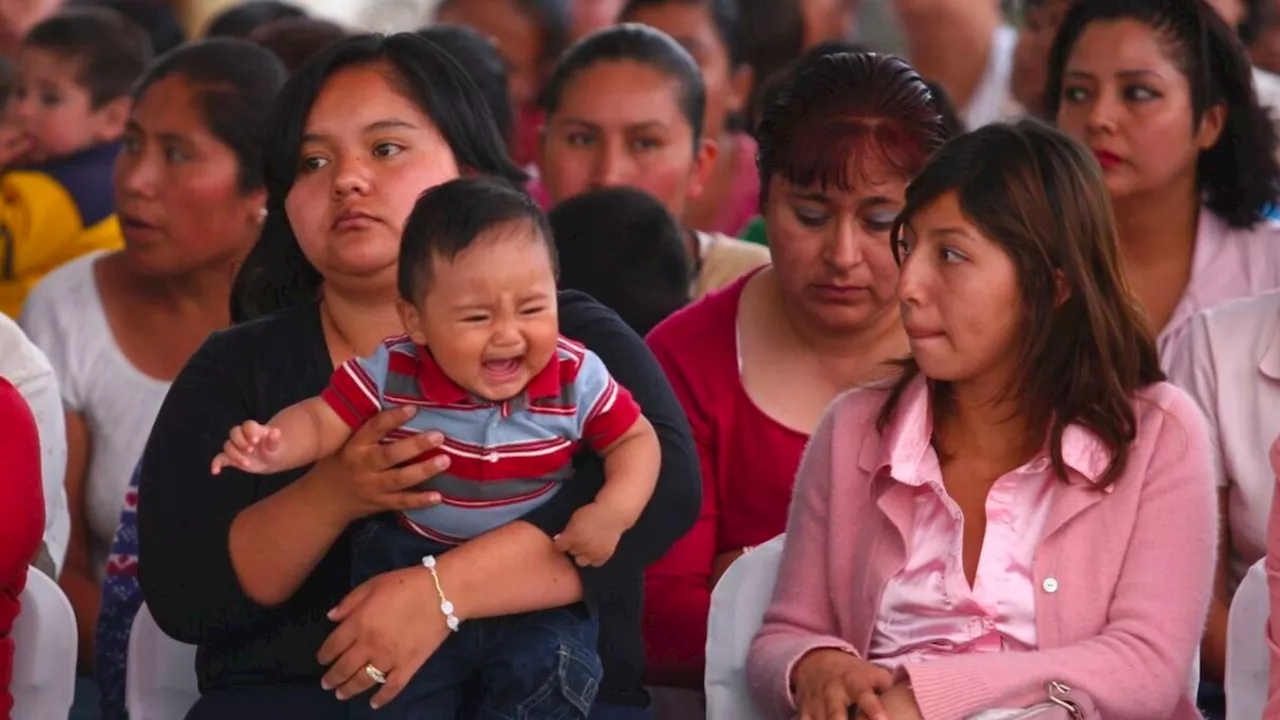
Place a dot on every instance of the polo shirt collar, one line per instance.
(439, 388)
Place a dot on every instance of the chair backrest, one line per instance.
(1247, 656)
(45, 646)
(738, 604)
(160, 682)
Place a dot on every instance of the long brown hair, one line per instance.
(1041, 198)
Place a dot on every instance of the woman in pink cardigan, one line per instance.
(1272, 709)
(1027, 516)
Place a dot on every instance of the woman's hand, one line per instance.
(391, 622)
(368, 476)
(900, 703)
(831, 683)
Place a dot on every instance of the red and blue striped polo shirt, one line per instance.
(505, 458)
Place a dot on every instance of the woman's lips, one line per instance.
(841, 293)
(1107, 159)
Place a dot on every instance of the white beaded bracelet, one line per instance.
(446, 607)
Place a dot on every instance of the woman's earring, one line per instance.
(262, 216)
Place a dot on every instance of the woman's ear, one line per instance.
(741, 83)
(255, 203)
(704, 163)
(1061, 289)
(1212, 123)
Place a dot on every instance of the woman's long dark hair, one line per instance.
(1041, 198)
(1238, 177)
(276, 275)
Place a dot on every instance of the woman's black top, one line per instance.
(256, 369)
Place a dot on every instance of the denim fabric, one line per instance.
(540, 665)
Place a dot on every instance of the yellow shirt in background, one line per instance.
(40, 229)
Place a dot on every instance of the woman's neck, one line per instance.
(201, 296)
(360, 320)
(881, 337)
(981, 423)
(1158, 228)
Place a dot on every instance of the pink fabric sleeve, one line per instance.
(1157, 612)
(1272, 709)
(801, 618)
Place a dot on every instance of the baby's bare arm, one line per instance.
(309, 431)
(631, 467)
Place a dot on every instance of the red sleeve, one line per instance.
(677, 598)
(352, 393)
(614, 413)
(21, 494)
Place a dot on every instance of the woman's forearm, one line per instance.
(85, 595)
(1213, 648)
(511, 570)
(276, 542)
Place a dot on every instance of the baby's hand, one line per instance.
(252, 448)
(591, 536)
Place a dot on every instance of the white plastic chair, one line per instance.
(44, 663)
(738, 604)
(160, 683)
(1248, 658)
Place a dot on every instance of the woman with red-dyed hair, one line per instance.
(756, 364)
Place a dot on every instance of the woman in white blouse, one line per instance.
(28, 370)
(1230, 363)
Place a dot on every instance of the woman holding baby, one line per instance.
(256, 569)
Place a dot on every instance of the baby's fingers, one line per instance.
(271, 440)
(219, 462)
(566, 542)
(235, 456)
(240, 439)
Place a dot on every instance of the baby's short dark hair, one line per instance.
(449, 218)
(113, 52)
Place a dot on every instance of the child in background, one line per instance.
(483, 364)
(68, 111)
(620, 246)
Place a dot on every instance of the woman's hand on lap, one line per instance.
(899, 703)
(390, 622)
(832, 684)
(368, 476)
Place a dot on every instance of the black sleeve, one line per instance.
(185, 513)
(678, 497)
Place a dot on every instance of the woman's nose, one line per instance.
(135, 174)
(352, 178)
(846, 249)
(613, 166)
(1102, 115)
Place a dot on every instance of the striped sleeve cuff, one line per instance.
(352, 394)
(613, 415)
